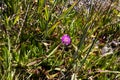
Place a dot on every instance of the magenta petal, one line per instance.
(66, 39)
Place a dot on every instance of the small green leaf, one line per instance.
(46, 13)
(53, 27)
(16, 19)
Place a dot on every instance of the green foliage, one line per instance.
(30, 46)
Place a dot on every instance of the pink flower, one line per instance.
(66, 39)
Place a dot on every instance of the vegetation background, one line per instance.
(30, 45)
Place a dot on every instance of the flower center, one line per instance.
(66, 40)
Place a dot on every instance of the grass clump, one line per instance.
(31, 46)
